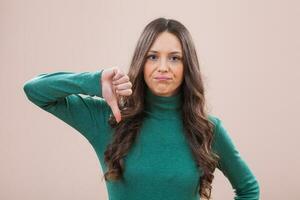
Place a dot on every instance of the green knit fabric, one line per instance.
(159, 164)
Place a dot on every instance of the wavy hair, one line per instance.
(198, 128)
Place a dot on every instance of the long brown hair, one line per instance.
(198, 128)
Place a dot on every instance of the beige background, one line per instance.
(249, 53)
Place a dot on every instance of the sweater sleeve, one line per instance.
(233, 166)
(58, 94)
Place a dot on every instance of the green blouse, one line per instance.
(159, 164)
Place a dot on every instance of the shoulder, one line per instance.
(222, 140)
(219, 131)
(102, 104)
(95, 103)
(214, 119)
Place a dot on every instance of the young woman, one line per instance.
(149, 128)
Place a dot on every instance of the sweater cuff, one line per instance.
(95, 84)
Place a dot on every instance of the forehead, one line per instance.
(165, 43)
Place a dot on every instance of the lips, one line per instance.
(162, 78)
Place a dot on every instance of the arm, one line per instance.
(234, 167)
(57, 93)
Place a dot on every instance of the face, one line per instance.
(163, 70)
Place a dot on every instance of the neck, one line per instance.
(163, 107)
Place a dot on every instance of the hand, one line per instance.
(115, 83)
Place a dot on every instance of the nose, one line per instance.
(163, 66)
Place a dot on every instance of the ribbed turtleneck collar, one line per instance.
(163, 107)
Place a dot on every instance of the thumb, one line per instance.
(115, 109)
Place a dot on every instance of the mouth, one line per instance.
(162, 78)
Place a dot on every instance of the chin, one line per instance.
(163, 92)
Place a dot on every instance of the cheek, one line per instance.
(178, 72)
(147, 73)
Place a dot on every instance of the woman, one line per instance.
(149, 128)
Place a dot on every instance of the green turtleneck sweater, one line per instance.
(159, 164)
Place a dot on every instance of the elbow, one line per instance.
(255, 191)
(27, 87)
(251, 191)
(31, 92)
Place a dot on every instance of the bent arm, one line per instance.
(58, 94)
(234, 167)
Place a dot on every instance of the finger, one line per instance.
(115, 109)
(123, 86)
(117, 95)
(112, 72)
(123, 79)
(118, 74)
(126, 92)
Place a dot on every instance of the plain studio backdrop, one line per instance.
(249, 53)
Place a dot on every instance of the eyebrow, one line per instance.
(173, 52)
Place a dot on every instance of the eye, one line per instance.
(152, 57)
(175, 58)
